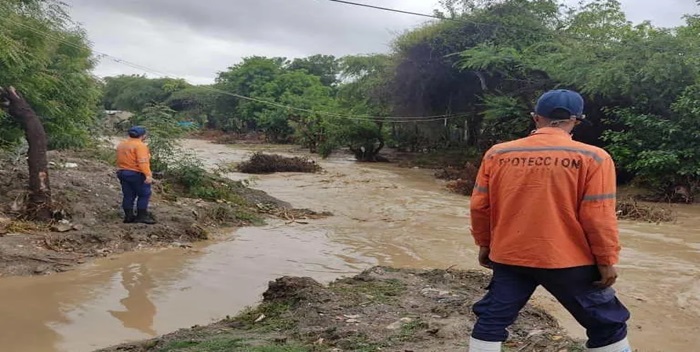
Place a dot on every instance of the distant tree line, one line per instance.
(483, 69)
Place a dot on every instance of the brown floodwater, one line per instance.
(384, 215)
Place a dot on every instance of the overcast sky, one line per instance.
(195, 39)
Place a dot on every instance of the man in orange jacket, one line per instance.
(134, 173)
(543, 213)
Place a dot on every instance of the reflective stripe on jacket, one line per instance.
(546, 201)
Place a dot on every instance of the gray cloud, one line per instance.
(196, 39)
(665, 13)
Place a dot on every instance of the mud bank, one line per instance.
(88, 220)
(380, 309)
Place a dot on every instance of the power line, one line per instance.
(368, 118)
(452, 19)
(392, 10)
(460, 19)
(478, 23)
(398, 119)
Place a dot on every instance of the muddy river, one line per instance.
(383, 215)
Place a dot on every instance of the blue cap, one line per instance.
(560, 99)
(137, 131)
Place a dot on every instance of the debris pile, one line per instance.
(261, 163)
(460, 180)
(631, 209)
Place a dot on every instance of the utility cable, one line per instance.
(393, 10)
(476, 23)
(369, 118)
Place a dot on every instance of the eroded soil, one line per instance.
(89, 224)
(380, 309)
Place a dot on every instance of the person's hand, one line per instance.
(608, 276)
(484, 257)
(149, 180)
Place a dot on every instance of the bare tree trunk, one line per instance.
(39, 206)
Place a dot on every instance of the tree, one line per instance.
(312, 101)
(246, 78)
(326, 67)
(270, 85)
(135, 92)
(364, 94)
(39, 206)
(46, 57)
(638, 80)
(432, 79)
(196, 103)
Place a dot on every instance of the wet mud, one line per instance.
(381, 309)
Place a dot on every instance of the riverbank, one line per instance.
(88, 216)
(380, 309)
(406, 218)
(383, 215)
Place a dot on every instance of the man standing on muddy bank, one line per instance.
(135, 176)
(543, 213)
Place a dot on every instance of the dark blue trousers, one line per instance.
(134, 190)
(597, 310)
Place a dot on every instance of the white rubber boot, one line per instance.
(622, 346)
(483, 346)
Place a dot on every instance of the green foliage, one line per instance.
(47, 58)
(195, 104)
(409, 330)
(182, 169)
(163, 132)
(375, 290)
(136, 92)
(273, 80)
(325, 67)
(248, 79)
(277, 317)
(637, 79)
(664, 152)
(310, 85)
(302, 91)
(447, 67)
(630, 64)
(187, 173)
(363, 94)
(503, 119)
(485, 71)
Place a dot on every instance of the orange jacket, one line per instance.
(546, 201)
(133, 154)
